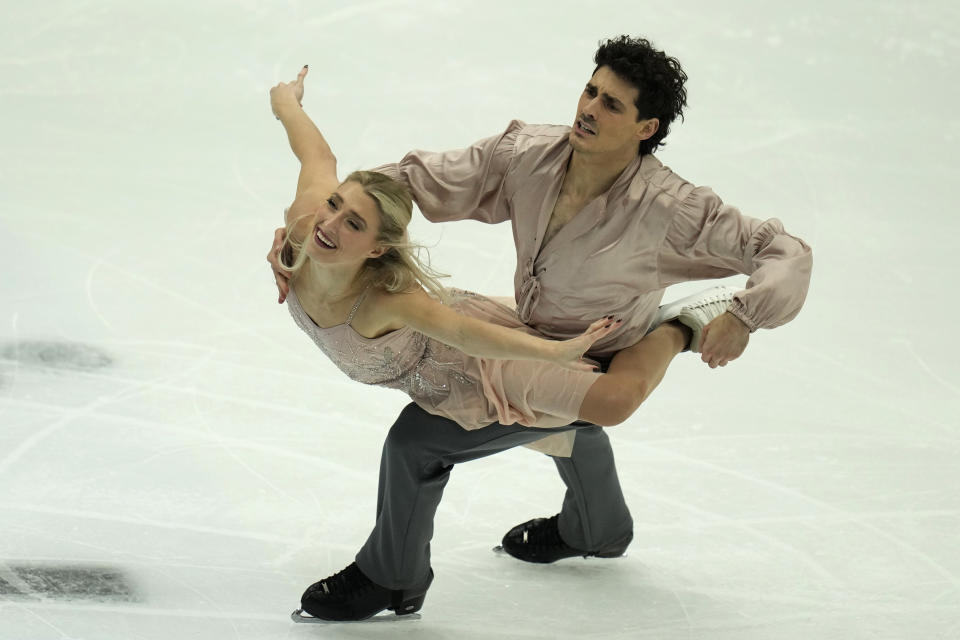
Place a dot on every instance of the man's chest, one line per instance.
(563, 212)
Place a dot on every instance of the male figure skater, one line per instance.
(600, 227)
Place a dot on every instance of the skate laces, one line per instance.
(709, 306)
(712, 300)
(544, 534)
(346, 581)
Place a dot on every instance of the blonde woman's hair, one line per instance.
(399, 268)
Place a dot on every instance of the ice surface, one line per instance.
(177, 461)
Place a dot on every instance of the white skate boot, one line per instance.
(696, 311)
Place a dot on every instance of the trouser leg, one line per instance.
(418, 454)
(594, 512)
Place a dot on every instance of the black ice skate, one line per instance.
(350, 595)
(539, 540)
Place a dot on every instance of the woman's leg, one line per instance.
(633, 375)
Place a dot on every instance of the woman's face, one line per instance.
(345, 228)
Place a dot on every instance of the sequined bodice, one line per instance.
(403, 359)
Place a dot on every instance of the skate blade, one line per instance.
(300, 617)
(500, 551)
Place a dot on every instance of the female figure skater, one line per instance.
(361, 294)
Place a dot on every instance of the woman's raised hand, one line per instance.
(288, 92)
(570, 352)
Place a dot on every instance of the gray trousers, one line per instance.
(418, 455)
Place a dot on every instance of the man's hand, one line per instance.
(723, 340)
(281, 275)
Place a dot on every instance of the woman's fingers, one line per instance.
(597, 325)
(302, 74)
(576, 347)
(582, 343)
(602, 327)
(598, 329)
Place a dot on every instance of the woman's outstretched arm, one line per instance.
(484, 339)
(318, 165)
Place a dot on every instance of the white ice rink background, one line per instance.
(178, 461)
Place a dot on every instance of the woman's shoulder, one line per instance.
(396, 305)
(382, 311)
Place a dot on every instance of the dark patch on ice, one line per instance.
(57, 355)
(69, 583)
(8, 589)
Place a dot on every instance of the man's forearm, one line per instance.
(305, 138)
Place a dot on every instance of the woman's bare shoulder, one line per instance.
(390, 302)
(382, 311)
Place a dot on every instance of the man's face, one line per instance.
(606, 118)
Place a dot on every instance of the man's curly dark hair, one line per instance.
(658, 78)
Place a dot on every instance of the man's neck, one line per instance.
(589, 175)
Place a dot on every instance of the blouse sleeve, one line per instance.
(460, 184)
(709, 239)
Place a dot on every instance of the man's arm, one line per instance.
(462, 183)
(708, 239)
